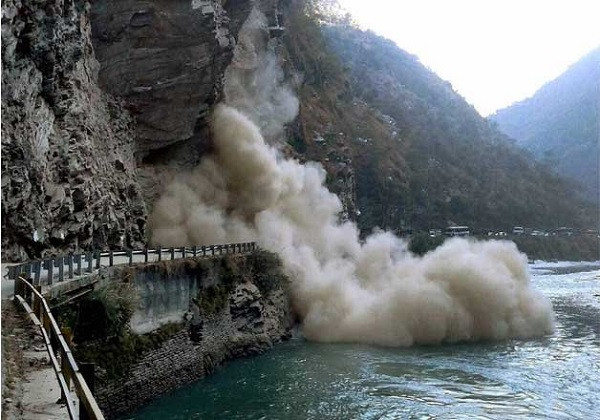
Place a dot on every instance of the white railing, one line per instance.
(48, 270)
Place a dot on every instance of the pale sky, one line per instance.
(494, 52)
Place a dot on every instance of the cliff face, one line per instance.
(166, 59)
(184, 318)
(105, 102)
(68, 173)
(72, 126)
(249, 324)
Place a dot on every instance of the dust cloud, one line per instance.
(343, 290)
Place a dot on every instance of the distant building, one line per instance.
(458, 231)
(435, 233)
(564, 231)
(518, 230)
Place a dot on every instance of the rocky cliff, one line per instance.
(104, 102)
(68, 172)
(90, 91)
(153, 328)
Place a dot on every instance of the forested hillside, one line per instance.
(560, 125)
(421, 157)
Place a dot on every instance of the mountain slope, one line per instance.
(421, 156)
(559, 124)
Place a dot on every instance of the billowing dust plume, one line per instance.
(343, 290)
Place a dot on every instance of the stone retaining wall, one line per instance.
(248, 322)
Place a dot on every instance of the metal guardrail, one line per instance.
(31, 299)
(73, 265)
(29, 294)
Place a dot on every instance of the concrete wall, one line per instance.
(162, 299)
(249, 321)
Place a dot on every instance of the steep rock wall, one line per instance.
(72, 125)
(166, 59)
(225, 307)
(68, 172)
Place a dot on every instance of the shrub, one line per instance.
(266, 271)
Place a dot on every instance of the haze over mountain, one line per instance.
(103, 106)
(422, 156)
(560, 124)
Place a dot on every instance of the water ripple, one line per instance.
(555, 377)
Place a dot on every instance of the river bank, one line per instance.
(547, 248)
(550, 377)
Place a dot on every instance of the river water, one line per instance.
(555, 377)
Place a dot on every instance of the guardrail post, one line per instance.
(146, 254)
(130, 255)
(194, 251)
(172, 251)
(203, 251)
(110, 258)
(50, 268)
(78, 262)
(61, 268)
(183, 252)
(64, 363)
(90, 260)
(37, 272)
(27, 295)
(16, 286)
(98, 256)
(70, 263)
(159, 250)
(11, 275)
(26, 269)
(87, 371)
(37, 303)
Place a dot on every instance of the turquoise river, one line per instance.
(555, 377)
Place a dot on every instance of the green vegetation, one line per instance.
(548, 248)
(422, 243)
(116, 355)
(266, 271)
(100, 325)
(420, 155)
(212, 299)
(574, 248)
(262, 268)
(100, 320)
